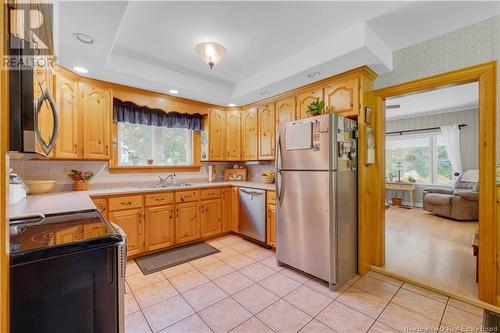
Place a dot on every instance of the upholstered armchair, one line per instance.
(459, 202)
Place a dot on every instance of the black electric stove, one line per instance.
(66, 274)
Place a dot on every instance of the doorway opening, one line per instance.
(432, 187)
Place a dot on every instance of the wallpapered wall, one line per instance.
(472, 45)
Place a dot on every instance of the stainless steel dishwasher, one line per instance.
(253, 214)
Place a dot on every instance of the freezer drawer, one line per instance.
(304, 221)
(253, 213)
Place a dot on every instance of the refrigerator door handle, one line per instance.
(279, 186)
(278, 151)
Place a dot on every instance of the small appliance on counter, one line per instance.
(212, 173)
(66, 273)
(17, 188)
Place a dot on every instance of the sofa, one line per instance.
(459, 202)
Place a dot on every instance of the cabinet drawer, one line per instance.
(187, 196)
(271, 197)
(213, 193)
(119, 203)
(159, 199)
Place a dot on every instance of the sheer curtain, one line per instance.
(451, 137)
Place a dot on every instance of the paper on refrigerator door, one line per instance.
(298, 136)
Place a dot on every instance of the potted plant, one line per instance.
(315, 108)
(411, 179)
(81, 179)
(396, 201)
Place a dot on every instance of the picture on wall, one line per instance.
(370, 145)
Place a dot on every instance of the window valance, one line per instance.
(131, 113)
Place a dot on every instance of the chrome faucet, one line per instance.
(171, 178)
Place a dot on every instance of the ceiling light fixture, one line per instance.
(173, 91)
(83, 38)
(314, 75)
(265, 92)
(80, 69)
(211, 53)
(231, 104)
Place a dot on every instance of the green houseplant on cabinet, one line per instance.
(315, 108)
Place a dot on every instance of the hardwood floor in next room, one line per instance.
(431, 249)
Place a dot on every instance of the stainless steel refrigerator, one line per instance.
(316, 192)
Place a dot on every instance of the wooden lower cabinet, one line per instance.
(159, 227)
(187, 222)
(102, 205)
(131, 222)
(226, 206)
(271, 225)
(211, 217)
(235, 209)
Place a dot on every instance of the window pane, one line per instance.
(411, 157)
(444, 170)
(135, 144)
(149, 145)
(175, 146)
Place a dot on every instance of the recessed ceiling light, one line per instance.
(265, 92)
(231, 104)
(83, 38)
(314, 75)
(80, 69)
(173, 91)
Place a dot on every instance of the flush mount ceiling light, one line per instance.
(80, 69)
(173, 91)
(83, 38)
(231, 104)
(314, 75)
(211, 53)
(265, 92)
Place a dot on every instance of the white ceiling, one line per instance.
(271, 45)
(457, 98)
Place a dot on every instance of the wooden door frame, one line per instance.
(485, 75)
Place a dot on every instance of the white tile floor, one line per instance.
(241, 289)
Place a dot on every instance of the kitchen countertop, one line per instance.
(70, 201)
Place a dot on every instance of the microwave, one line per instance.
(28, 98)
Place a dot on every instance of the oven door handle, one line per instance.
(46, 96)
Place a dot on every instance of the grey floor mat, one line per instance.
(173, 257)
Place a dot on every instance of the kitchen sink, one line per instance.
(166, 185)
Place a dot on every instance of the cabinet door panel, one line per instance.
(67, 145)
(343, 97)
(187, 222)
(226, 209)
(95, 106)
(217, 134)
(271, 225)
(233, 135)
(285, 110)
(249, 128)
(131, 223)
(211, 217)
(159, 227)
(45, 119)
(306, 98)
(266, 132)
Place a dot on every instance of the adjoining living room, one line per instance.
(432, 185)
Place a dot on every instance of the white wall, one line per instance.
(471, 45)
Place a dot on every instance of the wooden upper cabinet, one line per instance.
(211, 217)
(66, 100)
(306, 98)
(249, 126)
(216, 134)
(267, 129)
(285, 110)
(159, 227)
(233, 135)
(95, 107)
(343, 97)
(187, 222)
(45, 119)
(130, 221)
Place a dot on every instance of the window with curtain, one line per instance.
(422, 157)
(150, 137)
